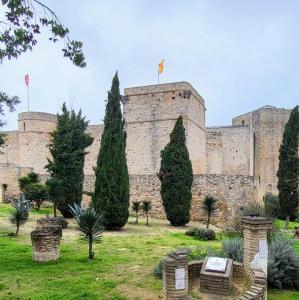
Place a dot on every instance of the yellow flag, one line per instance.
(161, 67)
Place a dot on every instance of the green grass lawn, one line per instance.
(122, 268)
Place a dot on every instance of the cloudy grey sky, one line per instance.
(239, 55)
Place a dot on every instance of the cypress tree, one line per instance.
(288, 171)
(111, 195)
(176, 177)
(67, 147)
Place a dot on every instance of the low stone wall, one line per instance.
(258, 288)
(194, 268)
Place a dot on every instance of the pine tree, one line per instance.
(111, 195)
(176, 177)
(288, 171)
(67, 147)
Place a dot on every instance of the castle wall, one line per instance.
(230, 150)
(232, 191)
(9, 174)
(9, 153)
(93, 150)
(150, 113)
(267, 124)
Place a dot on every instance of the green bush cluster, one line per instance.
(283, 263)
(233, 248)
(201, 233)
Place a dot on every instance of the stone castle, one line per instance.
(236, 163)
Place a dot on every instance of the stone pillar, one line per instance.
(175, 276)
(254, 229)
(45, 243)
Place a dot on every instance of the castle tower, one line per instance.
(267, 124)
(150, 113)
(33, 136)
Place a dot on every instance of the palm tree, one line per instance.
(209, 207)
(90, 223)
(136, 207)
(19, 215)
(146, 207)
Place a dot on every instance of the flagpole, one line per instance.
(28, 98)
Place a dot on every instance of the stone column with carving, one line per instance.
(45, 243)
(254, 229)
(175, 276)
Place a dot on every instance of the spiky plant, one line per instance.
(146, 207)
(90, 223)
(209, 206)
(136, 206)
(19, 215)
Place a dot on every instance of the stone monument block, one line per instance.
(45, 243)
(175, 276)
(216, 276)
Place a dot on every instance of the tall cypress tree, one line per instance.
(67, 147)
(111, 195)
(288, 171)
(176, 177)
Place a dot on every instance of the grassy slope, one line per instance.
(122, 268)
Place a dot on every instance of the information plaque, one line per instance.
(180, 279)
(216, 264)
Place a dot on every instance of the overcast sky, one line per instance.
(239, 55)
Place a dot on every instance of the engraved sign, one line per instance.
(180, 279)
(263, 249)
(216, 264)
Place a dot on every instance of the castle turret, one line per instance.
(150, 113)
(34, 135)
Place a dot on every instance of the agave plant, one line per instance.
(146, 207)
(90, 223)
(136, 207)
(19, 215)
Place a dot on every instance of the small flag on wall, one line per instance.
(27, 79)
(161, 66)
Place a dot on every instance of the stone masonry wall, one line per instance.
(232, 191)
(230, 150)
(267, 124)
(9, 174)
(150, 113)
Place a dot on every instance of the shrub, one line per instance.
(136, 206)
(191, 232)
(36, 192)
(253, 209)
(28, 179)
(90, 223)
(158, 270)
(272, 208)
(205, 234)
(234, 226)
(209, 206)
(283, 263)
(233, 248)
(146, 207)
(19, 215)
